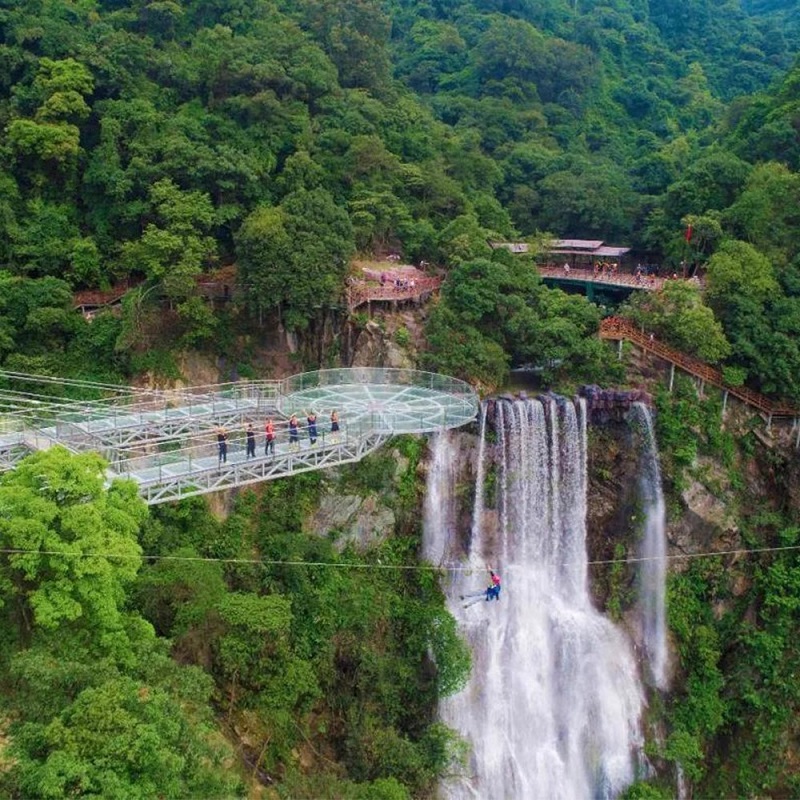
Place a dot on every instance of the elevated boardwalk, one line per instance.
(361, 292)
(389, 281)
(616, 328)
(622, 280)
(90, 301)
(167, 441)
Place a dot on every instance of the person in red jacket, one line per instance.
(493, 590)
(269, 437)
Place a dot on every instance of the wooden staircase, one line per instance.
(617, 328)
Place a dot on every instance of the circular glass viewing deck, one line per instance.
(381, 400)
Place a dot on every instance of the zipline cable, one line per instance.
(378, 566)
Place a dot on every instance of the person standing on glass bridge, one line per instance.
(222, 445)
(294, 438)
(311, 420)
(251, 441)
(269, 437)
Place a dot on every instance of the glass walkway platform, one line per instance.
(166, 441)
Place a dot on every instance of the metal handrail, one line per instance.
(184, 423)
(376, 375)
(621, 328)
(206, 446)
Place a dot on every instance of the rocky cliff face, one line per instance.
(389, 340)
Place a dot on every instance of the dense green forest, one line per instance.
(155, 142)
(126, 675)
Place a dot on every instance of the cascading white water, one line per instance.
(552, 707)
(439, 507)
(653, 551)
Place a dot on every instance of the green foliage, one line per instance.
(402, 337)
(281, 136)
(349, 658)
(174, 249)
(154, 141)
(97, 706)
(733, 709)
(56, 503)
(698, 711)
(494, 313)
(646, 791)
(760, 315)
(737, 268)
(765, 213)
(372, 474)
(686, 426)
(323, 786)
(119, 738)
(296, 255)
(679, 316)
(762, 689)
(734, 376)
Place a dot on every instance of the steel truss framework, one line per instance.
(172, 483)
(125, 426)
(166, 441)
(174, 423)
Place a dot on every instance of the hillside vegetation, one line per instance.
(153, 142)
(156, 141)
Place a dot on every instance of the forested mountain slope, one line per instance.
(155, 141)
(137, 132)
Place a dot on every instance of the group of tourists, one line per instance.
(270, 435)
(643, 273)
(609, 268)
(397, 281)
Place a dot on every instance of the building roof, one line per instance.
(611, 252)
(569, 247)
(586, 247)
(577, 244)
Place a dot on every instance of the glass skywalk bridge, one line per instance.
(166, 441)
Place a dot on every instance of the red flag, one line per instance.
(688, 233)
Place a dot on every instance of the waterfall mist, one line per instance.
(653, 551)
(553, 703)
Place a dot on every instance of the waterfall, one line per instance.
(552, 706)
(653, 551)
(439, 510)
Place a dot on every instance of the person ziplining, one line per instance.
(491, 592)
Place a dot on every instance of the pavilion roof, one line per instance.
(570, 247)
(612, 252)
(586, 247)
(577, 244)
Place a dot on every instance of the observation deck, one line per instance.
(166, 441)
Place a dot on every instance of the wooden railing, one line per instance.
(648, 283)
(618, 328)
(93, 299)
(360, 292)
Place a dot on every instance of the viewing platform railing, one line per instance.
(167, 441)
(360, 292)
(617, 328)
(648, 283)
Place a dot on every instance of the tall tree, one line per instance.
(296, 256)
(76, 541)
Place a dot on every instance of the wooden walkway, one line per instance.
(617, 328)
(90, 301)
(360, 292)
(648, 283)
